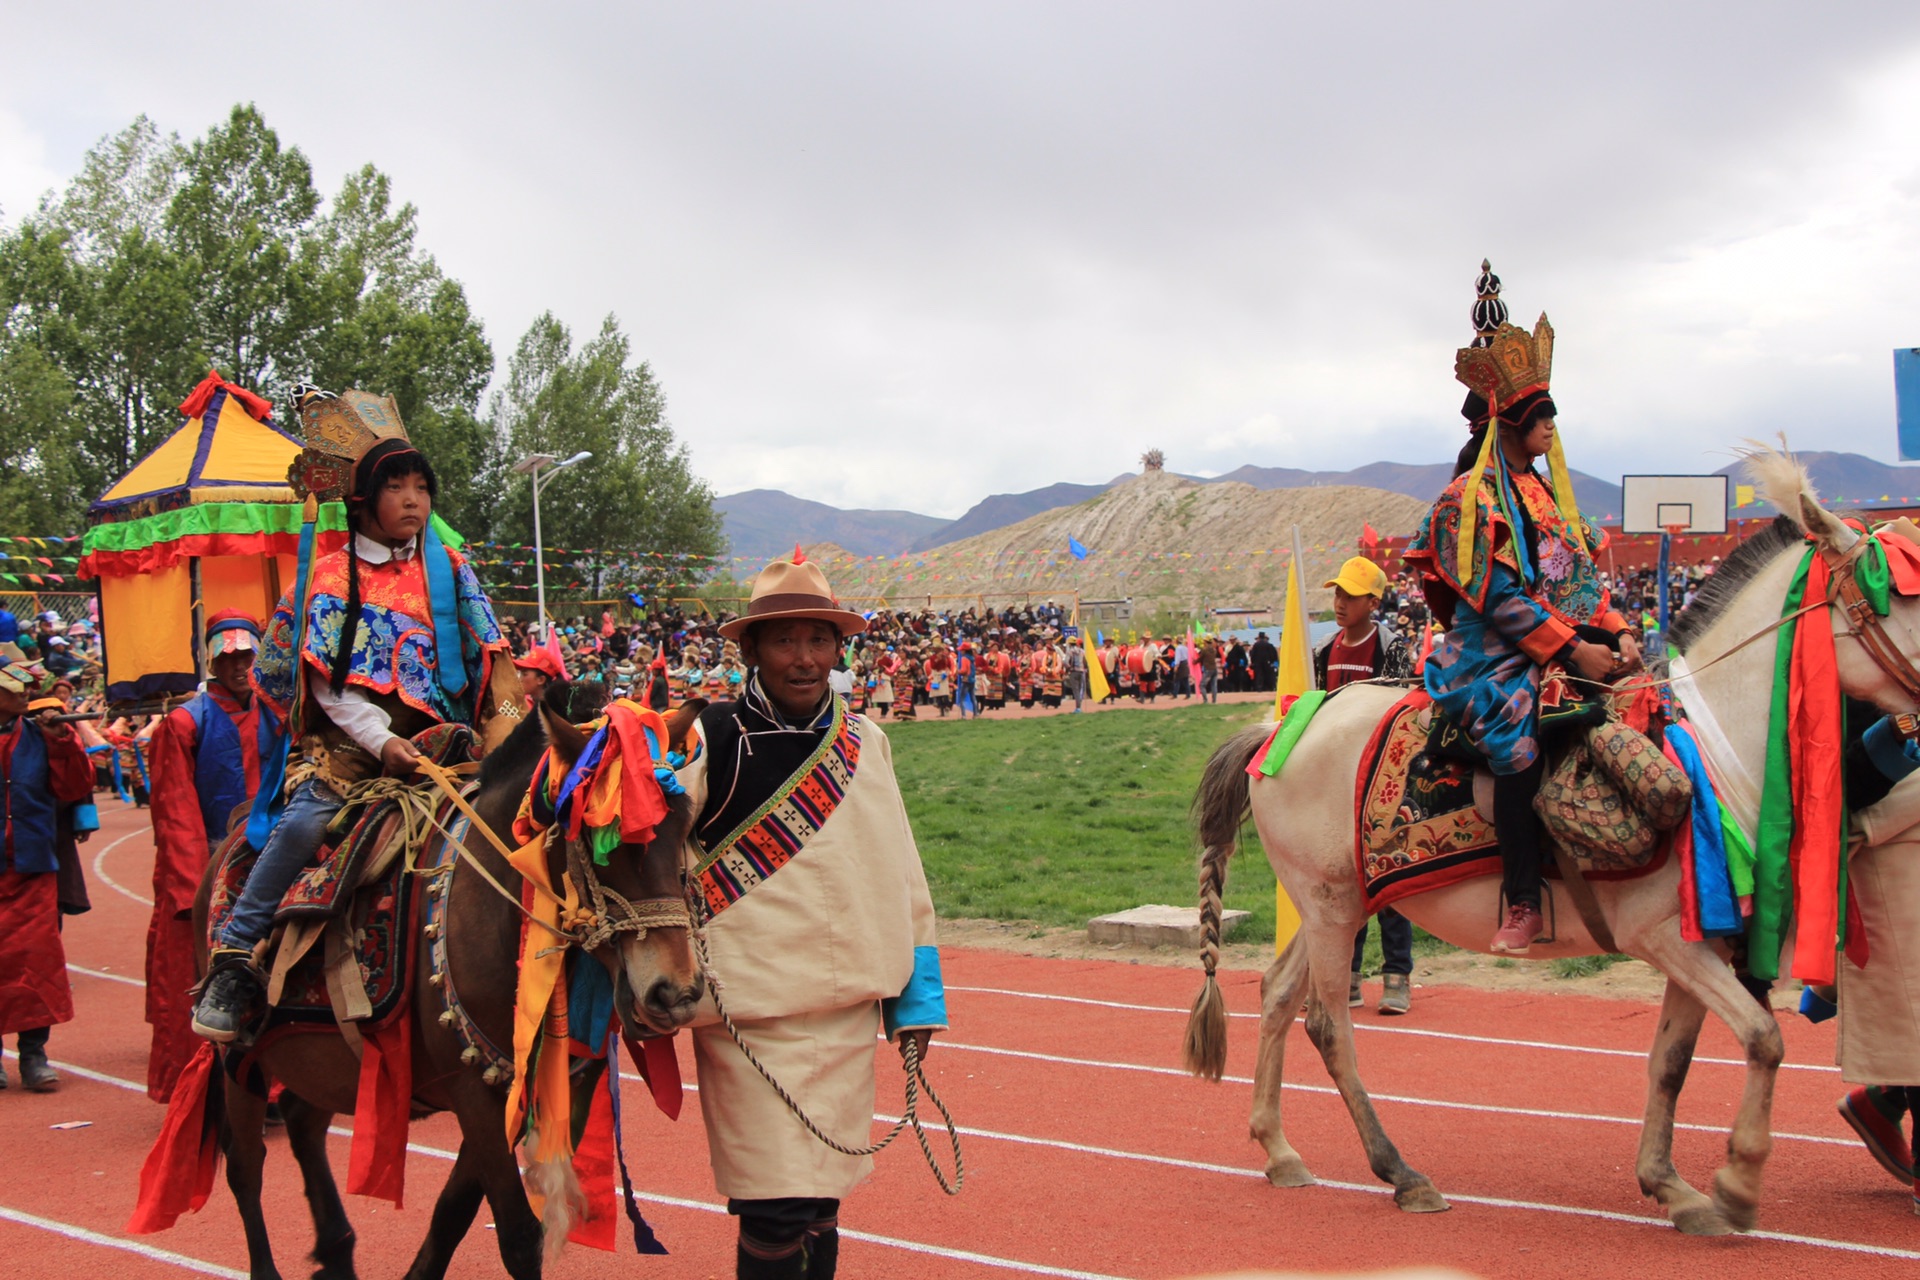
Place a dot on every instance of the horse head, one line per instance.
(1875, 653)
(657, 978)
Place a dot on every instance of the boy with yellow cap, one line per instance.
(1364, 649)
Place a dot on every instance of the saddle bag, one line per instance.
(1610, 795)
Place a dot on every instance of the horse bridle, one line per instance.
(1865, 625)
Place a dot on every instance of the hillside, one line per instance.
(1164, 540)
(764, 523)
(1599, 499)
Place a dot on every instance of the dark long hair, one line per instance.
(388, 460)
(1518, 418)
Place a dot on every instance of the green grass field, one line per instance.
(1063, 818)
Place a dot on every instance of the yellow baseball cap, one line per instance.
(1359, 577)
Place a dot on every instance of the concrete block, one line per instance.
(1158, 926)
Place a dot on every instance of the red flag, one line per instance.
(1368, 538)
(1426, 651)
(799, 556)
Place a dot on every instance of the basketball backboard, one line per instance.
(1683, 504)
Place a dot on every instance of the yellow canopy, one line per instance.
(220, 454)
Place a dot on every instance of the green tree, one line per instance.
(39, 493)
(638, 494)
(162, 260)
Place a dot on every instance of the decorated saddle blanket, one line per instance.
(379, 917)
(1416, 825)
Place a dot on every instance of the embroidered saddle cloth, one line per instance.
(356, 965)
(1415, 823)
(1418, 826)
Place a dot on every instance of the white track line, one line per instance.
(100, 870)
(1384, 1030)
(1404, 1099)
(1113, 1153)
(104, 976)
(146, 1251)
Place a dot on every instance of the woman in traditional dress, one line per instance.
(906, 675)
(1506, 561)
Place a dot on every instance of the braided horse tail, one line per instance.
(1219, 807)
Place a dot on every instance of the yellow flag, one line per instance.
(1743, 495)
(1096, 678)
(1295, 678)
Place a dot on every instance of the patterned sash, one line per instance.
(767, 840)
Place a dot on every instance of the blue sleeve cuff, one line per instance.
(1887, 749)
(924, 1001)
(86, 818)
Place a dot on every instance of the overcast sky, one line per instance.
(906, 255)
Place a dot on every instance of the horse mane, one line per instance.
(1735, 573)
(512, 762)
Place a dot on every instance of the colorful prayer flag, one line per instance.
(1073, 545)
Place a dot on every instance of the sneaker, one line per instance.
(1354, 998)
(1522, 929)
(228, 1003)
(1397, 995)
(1881, 1132)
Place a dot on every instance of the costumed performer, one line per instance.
(818, 923)
(1506, 562)
(46, 786)
(205, 758)
(395, 636)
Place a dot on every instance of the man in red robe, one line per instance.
(205, 760)
(44, 779)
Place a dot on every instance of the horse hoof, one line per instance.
(1290, 1172)
(1740, 1211)
(1420, 1197)
(1699, 1219)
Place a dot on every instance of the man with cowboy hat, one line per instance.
(819, 926)
(205, 759)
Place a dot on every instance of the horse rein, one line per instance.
(610, 913)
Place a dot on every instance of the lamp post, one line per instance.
(531, 466)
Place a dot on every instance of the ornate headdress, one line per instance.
(339, 430)
(1503, 365)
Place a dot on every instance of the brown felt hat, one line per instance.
(788, 590)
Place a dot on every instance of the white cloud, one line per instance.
(902, 256)
(25, 174)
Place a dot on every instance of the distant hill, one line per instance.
(1599, 499)
(1003, 509)
(765, 523)
(1159, 538)
(1853, 480)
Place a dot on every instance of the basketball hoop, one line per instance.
(1675, 530)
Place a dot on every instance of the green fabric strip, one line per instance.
(603, 841)
(1773, 870)
(1298, 717)
(1739, 855)
(231, 518)
(1874, 577)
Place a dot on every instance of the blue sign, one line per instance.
(1906, 400)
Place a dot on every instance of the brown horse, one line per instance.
(657, 984)
(1304, 815)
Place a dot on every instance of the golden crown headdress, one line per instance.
(339, 429)
(1504, 362)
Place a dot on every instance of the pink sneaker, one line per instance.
(1885, 1142)
(1523, 926)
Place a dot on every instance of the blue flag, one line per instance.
(1073, 545)
(1906, 400)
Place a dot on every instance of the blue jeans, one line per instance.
(295, 839)
(1396, 943)
(1209, 685)
(966, 700)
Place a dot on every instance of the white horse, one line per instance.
(1306, 823)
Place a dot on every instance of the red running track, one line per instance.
(1089, 1152)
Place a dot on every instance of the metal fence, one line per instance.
(28, 605)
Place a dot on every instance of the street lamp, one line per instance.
(531, 466)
